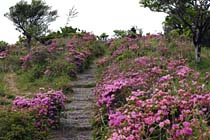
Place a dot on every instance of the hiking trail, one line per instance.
(79, 113)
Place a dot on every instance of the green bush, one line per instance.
(98, 49)
(18, 126)
(63, 32)
(10, 64)
(3, 45)
(61, 67)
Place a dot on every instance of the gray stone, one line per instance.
(79, 114)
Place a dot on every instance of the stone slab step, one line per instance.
(80, 113)
(83, 90)
(80, 105)
(83, 84)
(71, 135)
(83, 124)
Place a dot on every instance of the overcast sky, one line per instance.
(96, 16)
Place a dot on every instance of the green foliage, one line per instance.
(103, 36)
(32, 19)
(98, 48)
(3, 45)
(120, 33)
(9, 64)
(18, 126)
(133, 32)
(60, 68)
(185, 15)
(2, 86)
(63, 32)
(126, 55)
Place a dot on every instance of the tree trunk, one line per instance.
(28, 45)
(198, 53)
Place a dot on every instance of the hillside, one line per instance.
(130, 88)
(151, 88)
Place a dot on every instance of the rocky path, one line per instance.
(80, 111)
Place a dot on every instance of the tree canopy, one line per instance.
(191, 14)
(33, 19)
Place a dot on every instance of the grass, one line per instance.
(25, 85)
(6, 96)
(2, 85)
(204, 65)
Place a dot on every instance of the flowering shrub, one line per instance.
(46, 108)
(3, 54)
(89, 37)
(79, 53)
(153, 98)
(52, 46)
(25, 61)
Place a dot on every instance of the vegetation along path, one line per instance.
(77, 124)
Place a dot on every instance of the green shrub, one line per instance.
(98, 49)
(10, 64)
(3, 45)
(126, 54)
(18, 126)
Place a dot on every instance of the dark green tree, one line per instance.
(3, 45)
(120, 33)
(32, 20)
(193, 15)
(103, 36)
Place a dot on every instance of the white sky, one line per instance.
(95, 16)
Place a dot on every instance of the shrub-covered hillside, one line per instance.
(49, 66)
(35, 85)
(150, 87)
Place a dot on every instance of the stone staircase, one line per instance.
(77, 124)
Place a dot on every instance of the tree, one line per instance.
(103, 37)
(120, 33)
(32, 20)
(3, 45)
(72, 14)
(191, 14)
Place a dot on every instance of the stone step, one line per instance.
(81, 124)
(83, 84)
(86, 75)
(78, 118)
(83, 94)
(83, 90)
(78, 98)
(71, 135)
(80, 113)
(80, 105)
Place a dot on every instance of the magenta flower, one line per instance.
(161, 124)
(186, 124)
(165, 78)
(187, 131)
(149, 120)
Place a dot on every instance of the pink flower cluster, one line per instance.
(78, 53)
(126, 45)
(25, 61)
(158, 97)
(46, 107)
(52, 46)
(3, 54)
(102, 61)
(89, 37)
